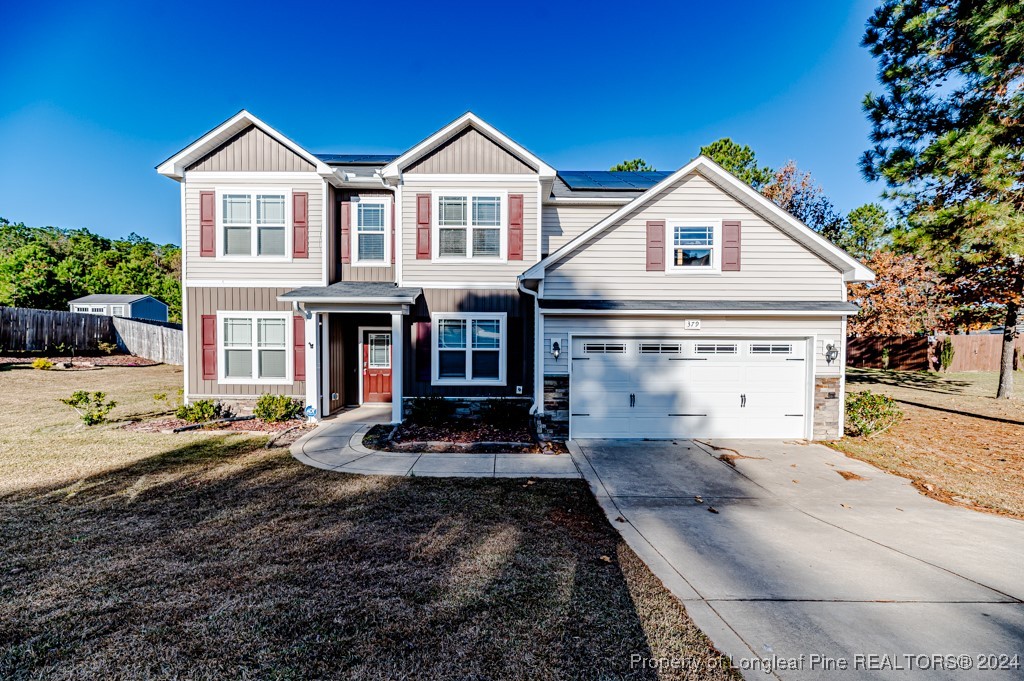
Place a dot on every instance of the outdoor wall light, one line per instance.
(556, 349)
(831, 353)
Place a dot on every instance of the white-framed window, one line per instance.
(693, 246)
(470, 225)
(379, 351)
(254, 347)
(117, 310)
(254, 223)
(469, 348)
(371, 228)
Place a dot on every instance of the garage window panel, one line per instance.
(661, 348)
(469, 349)
(715, 348)
(604, 348)
(771, 348)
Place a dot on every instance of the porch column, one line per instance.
(397, 364)
(312, 352)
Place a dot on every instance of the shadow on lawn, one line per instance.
(916, 380)
(221, 559)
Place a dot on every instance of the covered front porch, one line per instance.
(354, 344)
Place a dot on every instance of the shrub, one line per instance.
(431, 410)
(167, 401)
(885, 358)
(42, 364)
(202, 411)
(277, 408)
(505, 411)
(108, 348)
(90, 406)
(868, 413)
(946, 353)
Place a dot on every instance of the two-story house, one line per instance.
(667, 304)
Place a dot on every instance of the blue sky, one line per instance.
(94, 95)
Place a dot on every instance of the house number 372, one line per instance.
(691, 324)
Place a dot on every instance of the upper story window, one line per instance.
(694, 247)
(370, 221)
(470, 225)
(254, 223)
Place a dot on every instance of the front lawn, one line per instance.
(207, 556)
(956, 442)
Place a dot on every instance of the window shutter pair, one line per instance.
(209, 338)
(208, 224)
(731, 245)
(515, 227)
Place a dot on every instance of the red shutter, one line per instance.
(731, 245)
(300, 225)
(207, 224)
(515, 226)
(299, 347)
(423, 226)
(655, 245)
(393, 228)
(423, 351)
(346, 232)
(209, 329)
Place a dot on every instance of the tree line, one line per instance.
(45, 267)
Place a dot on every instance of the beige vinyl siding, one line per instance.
(252, 149)
(305, 270)
(614, 263)
(203, 300)
(469, 152)
(561, 224)
(824, 328)
(424, 272)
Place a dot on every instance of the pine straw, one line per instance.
(215, 558)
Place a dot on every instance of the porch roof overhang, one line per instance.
(708, 307)
(353, 296)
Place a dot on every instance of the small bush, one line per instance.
(868, 413)
(946, 352)
(885, 358)
(277, 408)
(42, 364)
(202, 411)
(431, 410)
(108, 348)
(90, 406)
(505, 411)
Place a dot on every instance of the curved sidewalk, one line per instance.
(337, 446)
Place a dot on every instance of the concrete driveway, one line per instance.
(799, 561)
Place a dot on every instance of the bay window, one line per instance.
(469, 225)
(254, 223)
(469, 348)
(254, 347)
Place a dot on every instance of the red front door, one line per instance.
(376, 366)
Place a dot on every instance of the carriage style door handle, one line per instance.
(632, 399)
(743, 400)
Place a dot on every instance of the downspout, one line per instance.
(538, 343)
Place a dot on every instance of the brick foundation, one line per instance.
(826, 408)
(554, 424)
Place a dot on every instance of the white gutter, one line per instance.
(538, 343)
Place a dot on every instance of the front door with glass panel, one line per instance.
(376, 366)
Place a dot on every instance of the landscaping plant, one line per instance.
(431, 410)
(107, 348)
(92, 407)
(201, 411)
(946, 353)
(277, 408)
(868, 413)
(505, 411)
(885, 358)
(42, 364)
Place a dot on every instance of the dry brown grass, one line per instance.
(966, 460)
(127, 555)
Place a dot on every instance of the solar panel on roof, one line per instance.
(610, 180)
(356, 159)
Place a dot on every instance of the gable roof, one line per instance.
(852, 269)
(466, 120)
(174, 167)
(108, 298)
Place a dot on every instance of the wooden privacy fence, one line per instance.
(59, 332)
(975, 352)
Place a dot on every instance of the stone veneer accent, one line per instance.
(554, 423)
(467, 407)
(826, 408)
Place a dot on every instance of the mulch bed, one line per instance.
(463, 432)
(79, 363)
(250, 426)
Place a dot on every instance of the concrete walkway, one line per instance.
(798, 561)
(336, 445)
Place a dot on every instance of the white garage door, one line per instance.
(671, 387)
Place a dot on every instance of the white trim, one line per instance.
(468, 119)
(362, 368)
(469, 317)
(469, 195)
(585, 201)
(715, 267)
(851, 268)
(842, 380)
(353, 230)
(399, 246)
(459, 178)
(314, 393)
(204, 177)
(325, 364)
(313, 300)
(503, 285)
(254, 316)
(185, 368)
(397, 366)
(248, 283)
(326, 210)
(540, 222)
(253, 256)
(692, 313)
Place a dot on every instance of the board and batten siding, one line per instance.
(425, 272)
(251, 150)
(469, 152)
(351, 272)
(824, 328)
(774, 266)
(562, 224)
(304, 270)
(210, 301)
